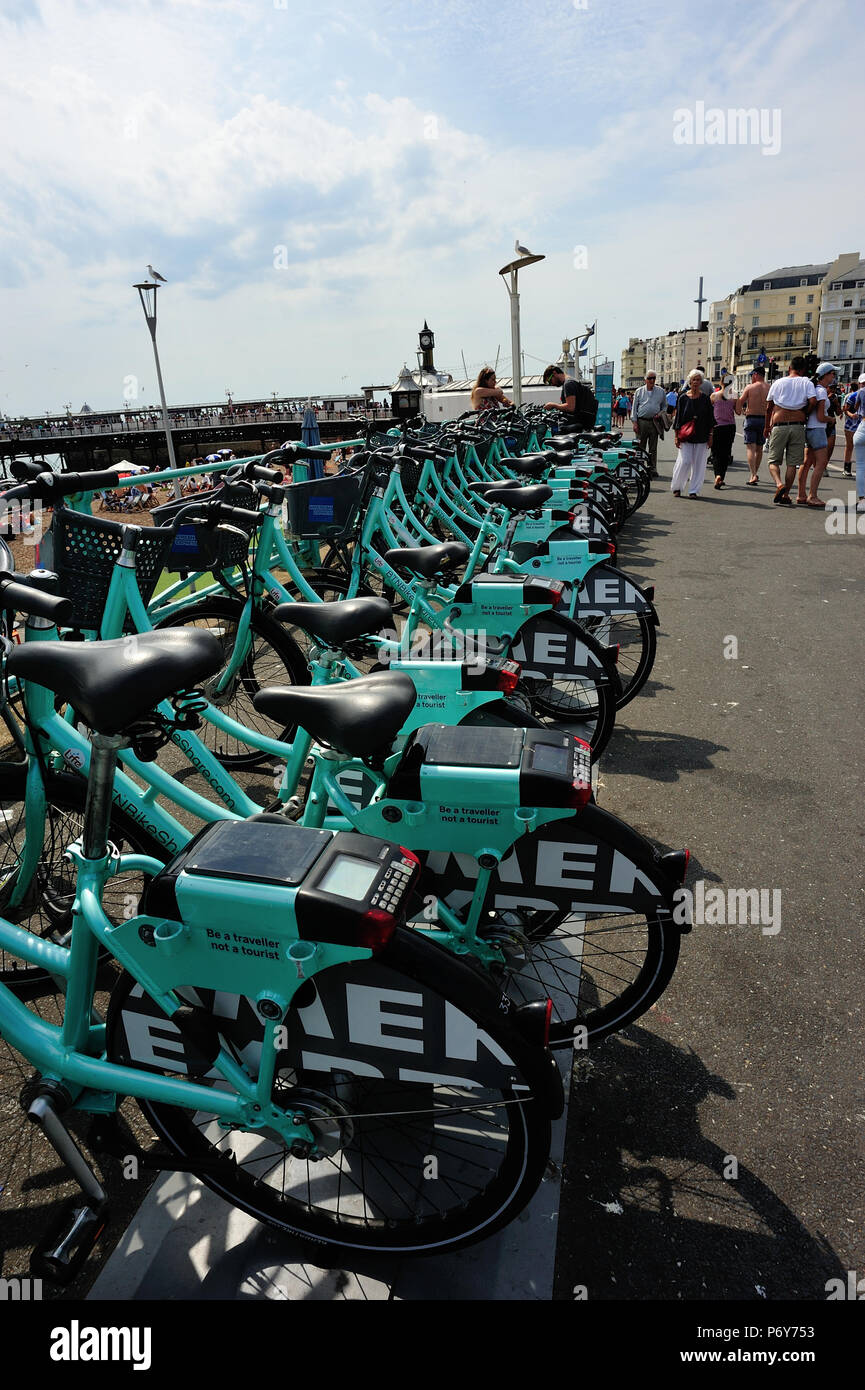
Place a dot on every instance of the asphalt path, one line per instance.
(714, 1150)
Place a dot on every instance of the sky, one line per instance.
(315, 181)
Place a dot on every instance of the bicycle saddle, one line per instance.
(112, 684)
(531, 465)
(428, 560)
(358, 717)
(519, 499)
(337, 623)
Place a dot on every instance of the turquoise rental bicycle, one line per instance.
(293, 1045)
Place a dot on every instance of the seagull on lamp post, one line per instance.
(521, 250)
(154, 275)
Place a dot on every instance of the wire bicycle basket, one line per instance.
(198, 541)
(324, 507)
(84, 550)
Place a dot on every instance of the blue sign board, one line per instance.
(604, 393)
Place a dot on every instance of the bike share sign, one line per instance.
(604, 393)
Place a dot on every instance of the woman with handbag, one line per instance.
(694, 425)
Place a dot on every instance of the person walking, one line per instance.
(752, 404)
(672, 399)
(694, 427)
(649, 402)
(816, 439)
(724, 433)
(788, 405)
(859, 444)
(848, 410)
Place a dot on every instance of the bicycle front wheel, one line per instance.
(46, 906)
(273, 658)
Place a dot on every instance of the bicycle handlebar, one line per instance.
(17, 595)
(49, 486)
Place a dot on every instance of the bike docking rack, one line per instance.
(315, 510)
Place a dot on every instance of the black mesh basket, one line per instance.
(324, 506)
(198, 543)
(410, 473)
(84, 550)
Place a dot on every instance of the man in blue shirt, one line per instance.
(649, 401)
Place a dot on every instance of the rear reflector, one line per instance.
(509, 676)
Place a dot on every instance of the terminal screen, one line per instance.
(348, 877)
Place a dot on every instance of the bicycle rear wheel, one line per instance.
(414, 1160)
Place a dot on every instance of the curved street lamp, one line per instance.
(511, 270)
(147, 292)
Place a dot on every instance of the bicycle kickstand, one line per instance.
(68, 1242)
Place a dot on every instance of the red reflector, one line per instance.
(556, 592)
(509, 675)
(548, 1018)
(611, 547)
(687, 862)
(376, 929)
(581, 795)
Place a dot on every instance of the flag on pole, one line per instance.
(582, 346)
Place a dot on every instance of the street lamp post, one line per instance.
(147, 294)
(511, 270)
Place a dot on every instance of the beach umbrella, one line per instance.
(309, 435)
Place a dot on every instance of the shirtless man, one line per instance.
(788, 405)
(752, 404)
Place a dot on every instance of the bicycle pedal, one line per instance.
(69, 1241)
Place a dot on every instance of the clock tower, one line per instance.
(426, 342)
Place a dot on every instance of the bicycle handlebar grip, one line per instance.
(24, 599)
(32, 491)
(67, 483)
(239, 515)
(262, 474)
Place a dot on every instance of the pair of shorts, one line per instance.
(850, 425)
(815, 436)
(754, 426)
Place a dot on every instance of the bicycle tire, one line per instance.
(275, 658)
(634, 670)
(571, 698)
(46, 909)
(483, 1186)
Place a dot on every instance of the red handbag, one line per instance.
(686, 431)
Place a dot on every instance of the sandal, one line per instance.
(752, 482)
(815, 503)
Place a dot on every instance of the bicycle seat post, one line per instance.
(100, 786)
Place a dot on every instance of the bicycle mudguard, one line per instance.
(590, 862)
(553, 646)
(416, 1013)
(607, 590)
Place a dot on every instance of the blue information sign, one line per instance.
(604, 393)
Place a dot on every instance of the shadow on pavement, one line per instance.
(652, 1208)
(657, 753)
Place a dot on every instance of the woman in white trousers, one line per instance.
(694, 423)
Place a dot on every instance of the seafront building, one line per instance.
(777, 314)
(669, 355)
(842, 321)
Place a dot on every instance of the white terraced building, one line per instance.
(842, 322)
